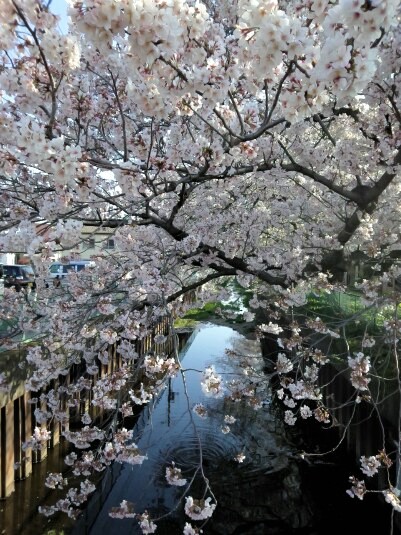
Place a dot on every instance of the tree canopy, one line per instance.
(251, 139)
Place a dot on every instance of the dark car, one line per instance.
(19, 276)
(59, 272)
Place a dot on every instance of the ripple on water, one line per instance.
(216, 452)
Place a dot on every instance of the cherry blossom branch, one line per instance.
(207, 122)
(294, 166)
(224, 122)
(53, 86)
(239, 117)
(324, 128)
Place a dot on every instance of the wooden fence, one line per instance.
(17, 420)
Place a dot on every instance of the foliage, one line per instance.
(204, 313)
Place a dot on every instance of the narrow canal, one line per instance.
(271, 491)
(261, 490)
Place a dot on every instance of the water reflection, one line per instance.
(19, 512)
(169, 431)
(262, 495)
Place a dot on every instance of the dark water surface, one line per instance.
(170, 431)
(271, 492)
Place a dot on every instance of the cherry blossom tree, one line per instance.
(253, 140)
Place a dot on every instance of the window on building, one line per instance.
(91, 243)
(110, 243)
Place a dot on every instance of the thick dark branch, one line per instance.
(347, 111)
(373, 194)
(199, 283)
(393, 103)
(335, 258)
(237, 263)
(183, 195)
(379, 39)
(317, 177)
(242, 266)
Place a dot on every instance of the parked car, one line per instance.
(62, 270)
(59, 271)
(19, 276)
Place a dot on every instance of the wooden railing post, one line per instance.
(22, 432)
(7, 460)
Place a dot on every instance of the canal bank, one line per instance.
(271, 491)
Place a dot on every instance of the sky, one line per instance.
(59, 7)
